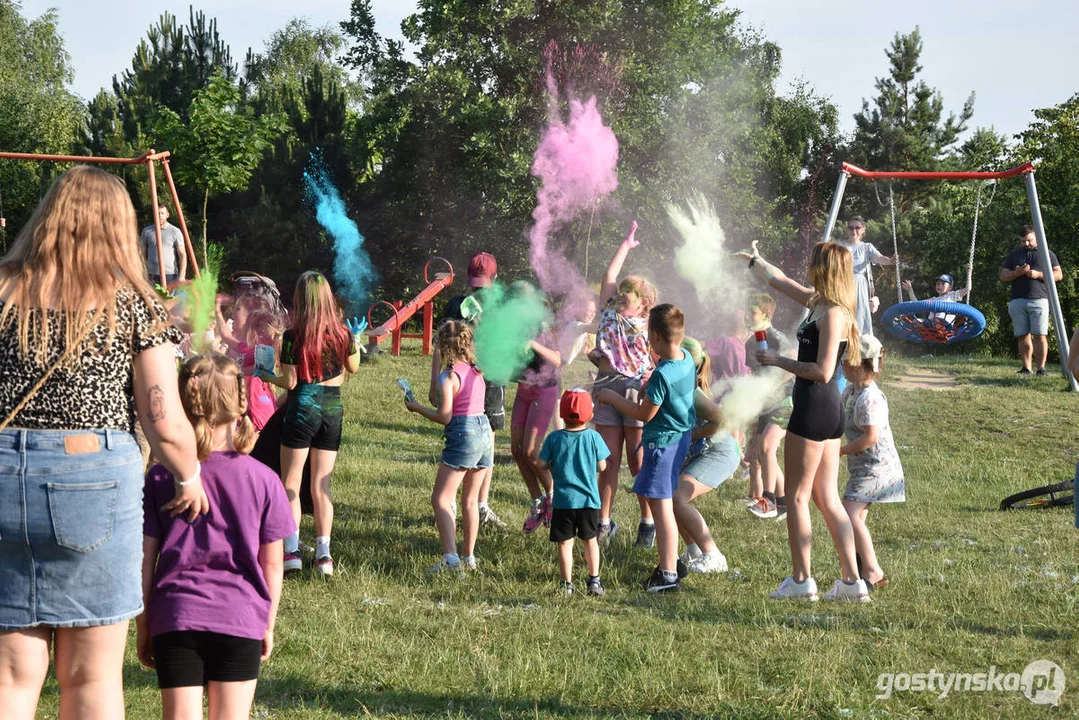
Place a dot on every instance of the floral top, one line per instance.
(623, 341)
(876, 474)
(97, 393)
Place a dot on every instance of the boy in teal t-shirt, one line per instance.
(666, 407)
(574, 457)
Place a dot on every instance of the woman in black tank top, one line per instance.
(811, 447)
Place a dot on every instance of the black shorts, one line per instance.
(581, 522)
(494, 405)
(313, 418)
(191, 658)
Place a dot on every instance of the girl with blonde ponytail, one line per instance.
(195, 575)
(811, 448)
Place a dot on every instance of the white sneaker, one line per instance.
(841, 592)
(488, 517)
(790, 590)
(711, 562)
(445, 565)
(690, 555)
(469, 562)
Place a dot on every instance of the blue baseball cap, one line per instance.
(947, 278)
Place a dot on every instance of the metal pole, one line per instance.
(180, 215)
(1047, 264)
(157, 223)
(833, 211)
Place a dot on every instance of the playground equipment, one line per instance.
(148, 158)
(403, 312)
(1027, 171)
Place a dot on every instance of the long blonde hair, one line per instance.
(79, 247)
(831, 273)
(213, 393)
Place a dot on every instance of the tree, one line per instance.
(170, 65)
(450, 137)
(905, 130)
(219, 145)
(38, 114)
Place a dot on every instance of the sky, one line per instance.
(1016, 56)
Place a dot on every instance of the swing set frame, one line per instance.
(149, 158)
(1026, 170)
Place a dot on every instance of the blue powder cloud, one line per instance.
(353, 274)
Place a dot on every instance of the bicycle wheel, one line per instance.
(1056, 495)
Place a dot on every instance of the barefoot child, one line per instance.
(469, 447)
(622, 356)
(571, 458)
(666, 409)
(876, 474)
(211, 588)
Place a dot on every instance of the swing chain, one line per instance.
(974, 234)
(895, 244)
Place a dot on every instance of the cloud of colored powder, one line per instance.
(353, 273)
(576, 163)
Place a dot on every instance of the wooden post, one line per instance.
(428, 326)
(180, 215)
(395, 348)
(157, 222)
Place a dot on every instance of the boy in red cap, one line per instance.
(574, 457)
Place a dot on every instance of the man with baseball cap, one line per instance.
(863, 255)
(1029, 306)
(482, 271)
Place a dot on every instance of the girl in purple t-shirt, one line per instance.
(211, 588)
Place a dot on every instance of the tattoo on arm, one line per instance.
(157, 403)
(801, 369)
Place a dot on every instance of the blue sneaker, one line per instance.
(646, 536)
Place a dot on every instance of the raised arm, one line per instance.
(610, 277)
(832, 326)
(910, 290)
(775, 277)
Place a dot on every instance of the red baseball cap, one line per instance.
(482, 269)
(576, 406)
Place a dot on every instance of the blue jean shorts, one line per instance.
(469, 443)
(659, 473)
(712, 462)
(70, 528)
(1029, 316)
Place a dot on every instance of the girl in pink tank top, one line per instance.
(469, 444)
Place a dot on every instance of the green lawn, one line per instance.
(971, 587)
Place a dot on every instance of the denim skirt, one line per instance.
(470, 443)
(711, 462)
(70, 528)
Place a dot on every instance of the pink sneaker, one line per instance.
(548, 510)
(535, 517)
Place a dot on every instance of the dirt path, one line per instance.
(924, 380)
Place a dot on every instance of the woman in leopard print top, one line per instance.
(70, 469)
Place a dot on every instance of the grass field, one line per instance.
(971, 587)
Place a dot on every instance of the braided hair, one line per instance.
(213, 393)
